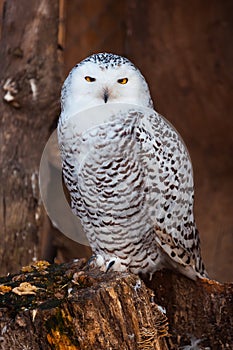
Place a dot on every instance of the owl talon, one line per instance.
(91, 260)
(110, 264)
(95, 260)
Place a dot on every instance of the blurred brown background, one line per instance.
(185, 51)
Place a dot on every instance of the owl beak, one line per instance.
(106, 96)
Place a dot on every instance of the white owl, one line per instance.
(129, 174)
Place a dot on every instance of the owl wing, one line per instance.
(171, 192)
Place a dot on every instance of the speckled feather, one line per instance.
(130, 179)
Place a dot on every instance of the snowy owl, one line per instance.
(129, 176)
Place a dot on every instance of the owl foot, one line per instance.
(95, 260)
(113, 264)
(109, 265)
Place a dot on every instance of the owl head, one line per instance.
(103, 78)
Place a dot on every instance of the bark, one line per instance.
(197, 311)
(73, 306)
(30, 87)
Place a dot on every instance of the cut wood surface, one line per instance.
(74, 306)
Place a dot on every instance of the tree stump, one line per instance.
(198, 311)
(72, 306)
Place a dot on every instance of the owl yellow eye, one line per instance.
(122, 81)
(90, 79)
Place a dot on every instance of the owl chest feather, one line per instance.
(111, 179)
(120, 176)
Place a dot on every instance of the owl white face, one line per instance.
(94, 82)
